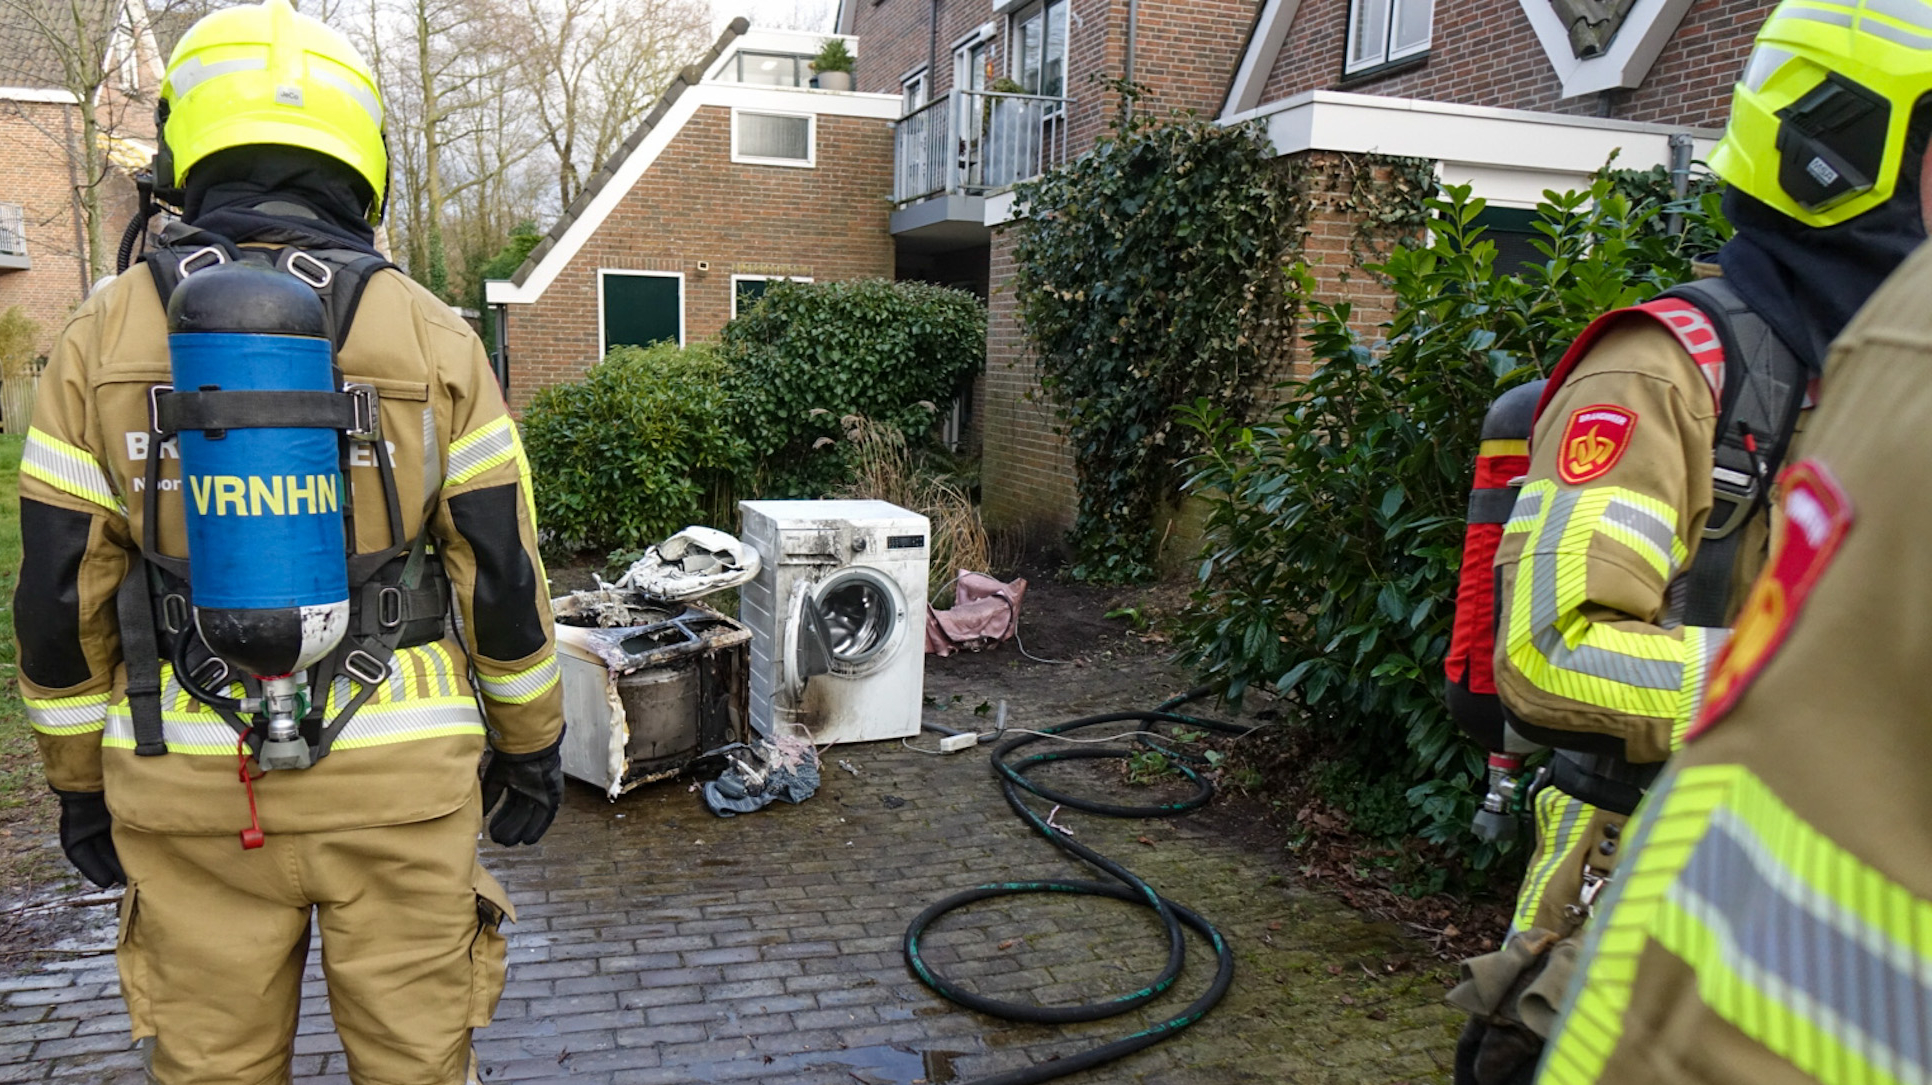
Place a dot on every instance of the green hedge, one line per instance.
(655, 439)
(810, 354)
(1335, 526)
(644, 446)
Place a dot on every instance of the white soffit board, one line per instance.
(1644, 34)
(1508, 155)
(881, 107)
(1520, 188)
(1258, 60)
(47, 95)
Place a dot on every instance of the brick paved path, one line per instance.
(656, 943)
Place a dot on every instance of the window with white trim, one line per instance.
(1383, 31)
(773, 139)
(773, 69)
(913, 89)
(1040, 48)
(638, 308)
(747, 289)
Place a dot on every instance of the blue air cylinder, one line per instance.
(267, 565)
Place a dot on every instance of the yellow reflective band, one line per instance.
(524, 686)
(82, 715)
(1502, 447)
(1794, 941)
(1561, 822)
(205, 734)
(1701, 649)
(69, 469)
(480, 449)
(429, 717)
(1553, 644)
(445, 675)
(435, 702)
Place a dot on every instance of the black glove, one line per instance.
(535, 783)
(87, 836)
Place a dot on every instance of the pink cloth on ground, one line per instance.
(985, 611)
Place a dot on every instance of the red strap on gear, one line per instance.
(1693, 329)
(251, 837)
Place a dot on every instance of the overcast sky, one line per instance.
(778, 14)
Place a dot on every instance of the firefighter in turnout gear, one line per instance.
(156, 745)
(1645, 515)
(1773, 921)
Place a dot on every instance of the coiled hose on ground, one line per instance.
(1126, 886)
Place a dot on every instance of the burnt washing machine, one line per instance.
(837, 617)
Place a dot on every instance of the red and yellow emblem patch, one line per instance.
(1593, 442)
(1817, 514)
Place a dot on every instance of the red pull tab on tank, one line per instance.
(251, 837)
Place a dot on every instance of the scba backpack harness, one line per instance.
(1759, 387)
(396, 597)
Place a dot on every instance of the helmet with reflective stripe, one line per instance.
(1819, 119)
(263, 73)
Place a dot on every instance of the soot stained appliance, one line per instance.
(837, 615)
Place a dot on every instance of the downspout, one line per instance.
(1680, 164)
(1133, 30)
(932, 52)
(501, 348)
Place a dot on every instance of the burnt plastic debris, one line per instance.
(764, 772)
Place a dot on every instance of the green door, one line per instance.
(642, 309)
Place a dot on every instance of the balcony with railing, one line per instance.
(952, 152)
(13, 238)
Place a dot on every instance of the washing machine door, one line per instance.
(808, 650)
(854, 617)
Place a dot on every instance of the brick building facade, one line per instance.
(1486, 53)
(1179, 51)
(44, 266)
(686, 210)
(1499, 94)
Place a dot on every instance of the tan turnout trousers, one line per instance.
(213, 941)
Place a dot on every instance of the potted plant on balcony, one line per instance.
(833, 66)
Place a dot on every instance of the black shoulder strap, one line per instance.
(339, 276)
(1764, 390)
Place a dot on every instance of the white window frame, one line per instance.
(1013, 51)
(811, 140)
(603, 341)
(963, 54)
(920, 77)
(1351, 65)
(736, 279)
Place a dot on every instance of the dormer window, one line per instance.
(773, 69)
(1384, 31)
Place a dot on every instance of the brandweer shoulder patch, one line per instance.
(1593, 442)
(1817, 515)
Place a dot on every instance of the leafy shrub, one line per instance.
(18, 335)
(1149, 274)
(642, 447)
(1335, 530)
(809, 354)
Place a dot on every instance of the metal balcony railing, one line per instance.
(971, 142)
(13, 230)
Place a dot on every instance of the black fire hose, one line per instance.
(1127, 886)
